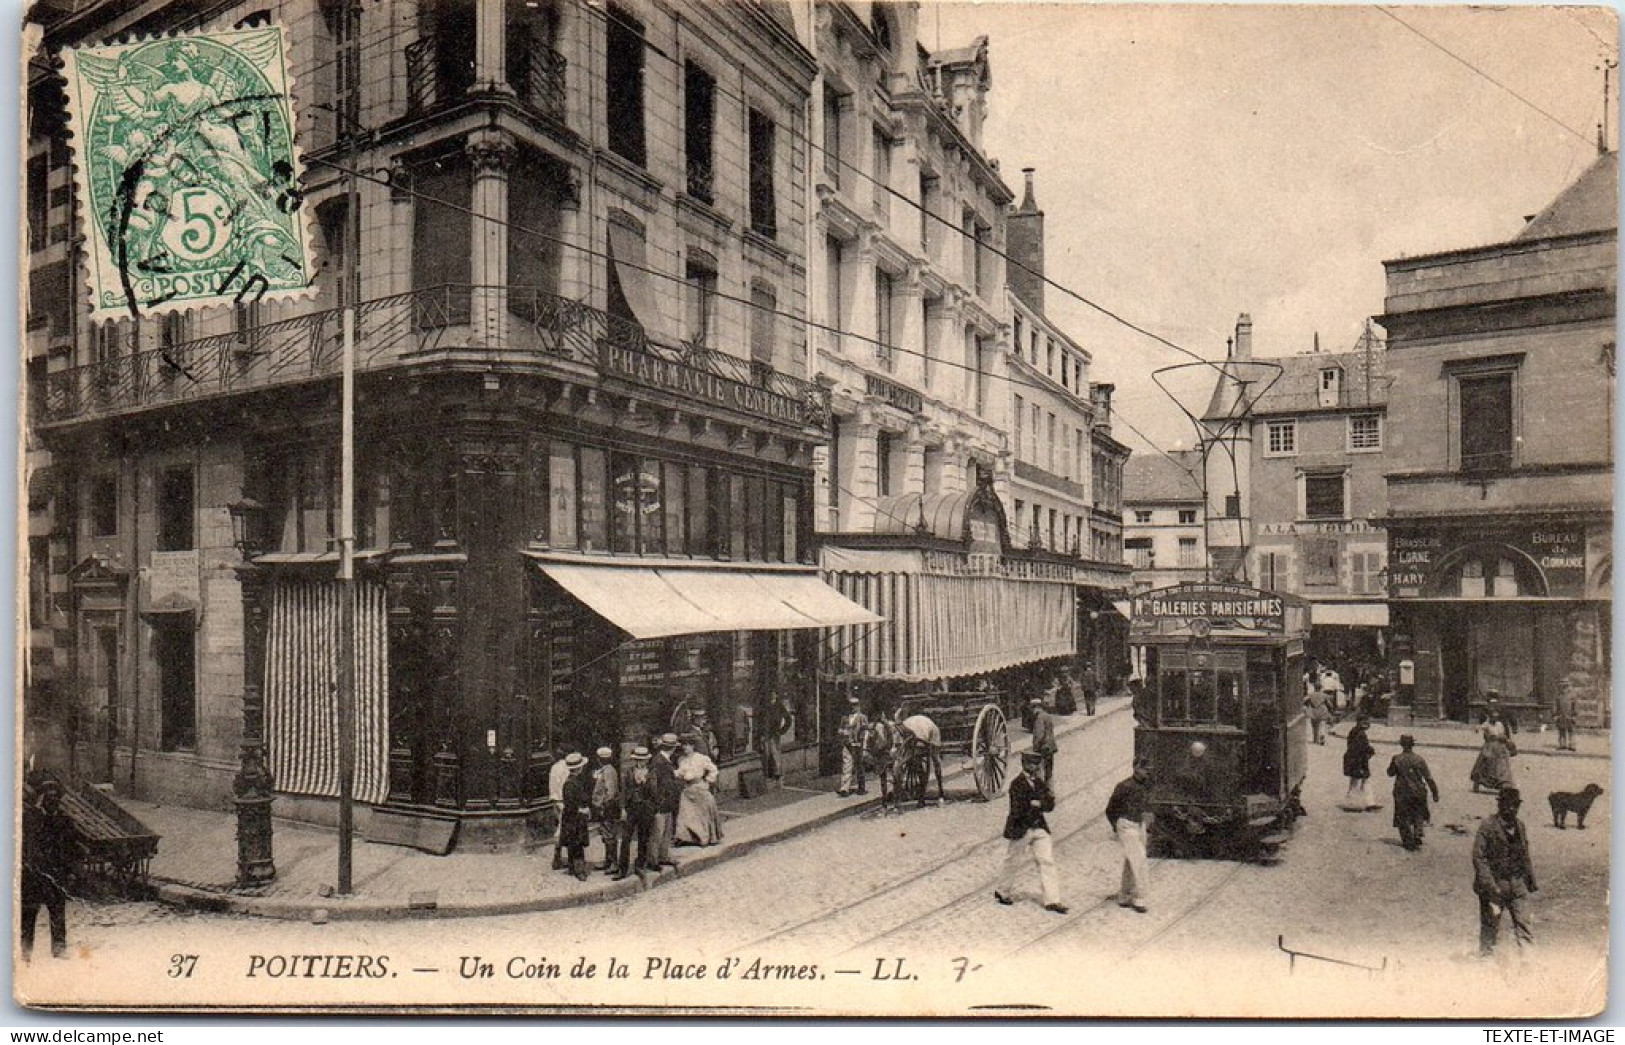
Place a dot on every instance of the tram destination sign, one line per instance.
(1213, 602)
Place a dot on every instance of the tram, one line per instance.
(1221, 720)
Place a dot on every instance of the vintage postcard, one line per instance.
(802, 508)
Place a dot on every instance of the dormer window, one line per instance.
(1331, 385)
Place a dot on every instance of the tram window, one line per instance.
(1173, 694)
(1229, 698)
(1204, 703)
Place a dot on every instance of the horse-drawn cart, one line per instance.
(972, 725)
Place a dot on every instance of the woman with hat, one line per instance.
(1357, 765)
(1493, 768)
(575, 814)
(698, 820)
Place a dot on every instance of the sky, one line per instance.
(1197, 162)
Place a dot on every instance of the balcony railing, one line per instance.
(439, 74)
(538, 75)
(387, 330)
(431, 82)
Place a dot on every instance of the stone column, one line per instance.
(490, 47)
(859, 473)
(251, 789)
(914, 460)
(491, 154)
(909, 365)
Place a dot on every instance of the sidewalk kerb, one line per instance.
(342, 909)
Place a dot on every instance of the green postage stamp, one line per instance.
(184, 154)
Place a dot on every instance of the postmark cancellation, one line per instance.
(185, 154)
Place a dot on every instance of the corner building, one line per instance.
(1500, 463)
(585, 428)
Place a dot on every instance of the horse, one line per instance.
(881, 748)
(919, 737)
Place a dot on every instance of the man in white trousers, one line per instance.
(1026, 829)
(1129, 814)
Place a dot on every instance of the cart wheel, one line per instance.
(911, 777)
(990, 752)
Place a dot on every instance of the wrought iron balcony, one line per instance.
(389, 331)
(537, 74)
(440, 71)
(434, 75)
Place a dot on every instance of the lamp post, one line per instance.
(251, 788)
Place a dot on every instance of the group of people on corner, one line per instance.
(659, 800)
(1028, 834)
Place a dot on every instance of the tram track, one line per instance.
(956, 856)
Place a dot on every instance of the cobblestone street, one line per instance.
(855, 897)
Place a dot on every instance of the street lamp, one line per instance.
(251, 788)
(246, 515)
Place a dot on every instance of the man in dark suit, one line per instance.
(1026, 828)
(47, 857)
(640, 800)
(670, 791)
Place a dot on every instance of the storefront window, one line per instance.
(676, 509)
(736, 527)
(699, 510)
(561, 494)
(771, 524)
(624, 516)
(594, 500)
(755, 498)
(651, 508)
(790, 511)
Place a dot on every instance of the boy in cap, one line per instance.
(1503, 875)
(606, 807)
(1043, 730)
(1025, 827)
(853, 729)
(640, 801)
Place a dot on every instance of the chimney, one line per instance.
(1244, 336)
(1024, 243)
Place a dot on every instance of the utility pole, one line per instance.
(346, 534)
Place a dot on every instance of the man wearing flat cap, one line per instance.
(1413, 782)
(1503, 875)
(1043, 729)
(670, 790)
(1026, 828)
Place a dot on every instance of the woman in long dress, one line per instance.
(698, 820)
(1493, 769)
(1357, 766)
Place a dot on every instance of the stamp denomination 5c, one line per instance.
(185, 156)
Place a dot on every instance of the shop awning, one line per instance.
(1350, 614)
(653, 602)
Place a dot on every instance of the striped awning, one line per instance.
(947, 626)
(301, 689)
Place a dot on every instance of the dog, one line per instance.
(1566, 802)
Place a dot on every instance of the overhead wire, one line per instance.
(909, 201)
(1485, 75)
